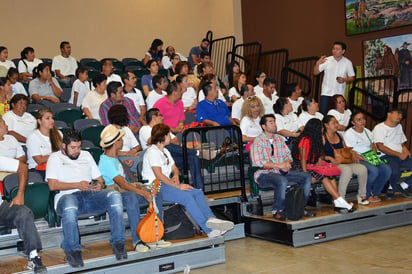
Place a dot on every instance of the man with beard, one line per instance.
(194, 54)
(75, 174)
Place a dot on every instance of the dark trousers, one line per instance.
(193, 163)
(21, 217)
(397, 165)
(324, 104)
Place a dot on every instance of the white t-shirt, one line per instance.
(82, 88)
(359, 141)
(391, 137)
(295, 104)
(114, 78)
(137, 98)
(7, 64)
(153, 97)
(288, 122)
(37, 144)
(167, 63)
(237, 108)
(23, 125)
(18, 88)
(92, 101)
(66, 170)
(334, 69)
(30, 65)
(144, 134)
(250, 127)
(10, 147)
(67, 66)
(258, 90)
(305, 116)
(268, 103)
(201, 95)
(233, 91)
(154, 157)
(343, 118)
(188, 97)
(129, 140)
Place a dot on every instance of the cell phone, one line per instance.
(93, 182)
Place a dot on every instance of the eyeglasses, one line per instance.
(273, 149)
(167, 158)
(251, 97)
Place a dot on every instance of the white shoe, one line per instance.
(141, 248)
(214, 223)
(214, 233)
(159, 244)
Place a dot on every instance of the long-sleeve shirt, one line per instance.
(131, 110)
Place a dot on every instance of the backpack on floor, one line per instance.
(295, 203)
(178, 224)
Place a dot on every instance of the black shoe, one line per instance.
(36, 265)
(309, 214)
(280, 216)
(344, 210)
(119, 250)
(404, 192)
(74, 258)
(390, 194)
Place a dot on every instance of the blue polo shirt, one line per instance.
(214, 111)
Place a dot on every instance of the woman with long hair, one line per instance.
(232, 69)
(174, 59)
(252, 111)
(339, 109)
(260, 77)
(27, 63)
(239, 80)
(4, 54)
(147, 84)
(189, 95)
(44, 140)
(360, 138)
(334, 140)
(159, 164)
(44, 86)
(155, 52)
(6, 92)
(308, 149)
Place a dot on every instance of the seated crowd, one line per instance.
(286, 137)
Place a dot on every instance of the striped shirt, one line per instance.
(263, 151)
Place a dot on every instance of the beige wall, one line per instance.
(108, 28)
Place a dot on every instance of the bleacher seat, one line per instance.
(68, 116)
(92, 134)
(60, 124)
(16, 61)
(92, 72)
(86, 144)
(47, 61)
(83, 123)
(128, 62)
(61, 106)
(33, 108)
(95, 152)
(66, 95)
(90, 63)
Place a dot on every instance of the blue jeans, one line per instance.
(324, 104)
(193, 162)
(193, 200)
(378, 176)
(70, 206)
(280, 182)
(132, 202)
(397, 164)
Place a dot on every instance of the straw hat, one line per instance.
(110, 135)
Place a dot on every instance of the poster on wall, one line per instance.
(371, 15)
(389, 56)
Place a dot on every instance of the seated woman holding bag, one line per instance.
(337, 153)
(159, 164)
(307, 153)
(360, 138)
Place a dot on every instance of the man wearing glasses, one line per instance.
(270, 152)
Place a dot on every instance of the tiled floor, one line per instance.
(387, 251)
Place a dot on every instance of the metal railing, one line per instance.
(222, 163)
(272, 62)
(218, 49)
(251, 52)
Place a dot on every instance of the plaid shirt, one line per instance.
(261, 153)
(131, 110)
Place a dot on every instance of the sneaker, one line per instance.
(404, 192)
(159, 244)
(74, 258)
(214, 233)
(119, 250)
(215, 223)
(141, 248)
(363, 201)
(280, 216)
(36, 265)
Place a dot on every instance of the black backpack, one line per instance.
(295, 203)
(178, 224)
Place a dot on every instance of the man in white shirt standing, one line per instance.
(65, 65)
(75, 174)
(338, 71)
(390, 140)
